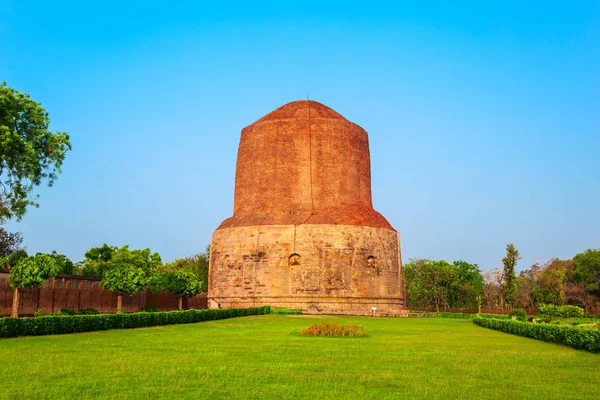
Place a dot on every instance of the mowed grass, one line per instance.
(261, 357)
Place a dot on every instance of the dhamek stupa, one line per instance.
(304, 232)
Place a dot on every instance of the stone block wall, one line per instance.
(321, 268)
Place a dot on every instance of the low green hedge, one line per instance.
(578, 338)
(468, 316)
(58, 324)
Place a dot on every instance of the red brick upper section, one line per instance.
(304, 164)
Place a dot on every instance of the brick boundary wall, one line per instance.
(77, 292)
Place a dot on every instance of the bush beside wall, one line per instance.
(469, 316)
(59, 324)
(578, 338)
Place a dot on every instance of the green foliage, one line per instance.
(468, 285)
(29, 152)
(333, 329)
(286, 311)
(38, 313)
(469, 316)
(149, 308)
(518, 314)
(88, 310)
(124, 279)
(429, 282)
(98, 260)
(510, 279)
(437, 283)
(65, 266)
(32, 272)
(197, 264)
(578, 338)
(67, 311)
(182, 283)
(566, 311)
(59, 324)
(16, 257)
(587, 269)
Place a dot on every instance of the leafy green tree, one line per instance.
(124, 279)
(10, 242)
(586, 270)
(429, 283)
(144, 259)
(30, 272)
(97, 260)
(510, 278)
(65, 265)
(468, 286)
(29, 153)
(100, 259)
(182, 283)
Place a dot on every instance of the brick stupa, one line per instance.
(304, 232)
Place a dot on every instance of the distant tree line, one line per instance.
(440, 284)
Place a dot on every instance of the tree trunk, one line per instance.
(119, 303)
(181, 302)
(15, 306)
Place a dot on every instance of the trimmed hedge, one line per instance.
(58, 324)
(552, 310)
(468, 316)
(578, 338)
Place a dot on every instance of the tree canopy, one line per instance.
(29, 152)
(32, 272)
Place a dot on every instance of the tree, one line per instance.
(510, 278)
(29, 153)
(98, 260)
(30, 272)
(586, 270)
(182, 283)
(429, 283)
(124, 279)
(65, 266)
(10, 242)
(469, 284)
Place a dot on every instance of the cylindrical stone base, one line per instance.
(320, 268)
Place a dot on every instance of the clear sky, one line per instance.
(484, 119)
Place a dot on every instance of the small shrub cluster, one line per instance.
(576, 337)
(333, 329)
(149, 308)
(518, 314)
(551, 310)
(58, 324)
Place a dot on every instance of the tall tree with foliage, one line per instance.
(181, 282)
(65, 265)
(124, 279)
(30, 272)
(510, 278)
(29, 152)
(100, 259)
(586, 270)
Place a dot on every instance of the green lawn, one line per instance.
(259, 357)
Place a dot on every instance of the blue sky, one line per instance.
(484, 119)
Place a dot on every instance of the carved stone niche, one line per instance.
(294, 260)
(227, 262)
(372, 262)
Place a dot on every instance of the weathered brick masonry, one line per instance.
(304, 232)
